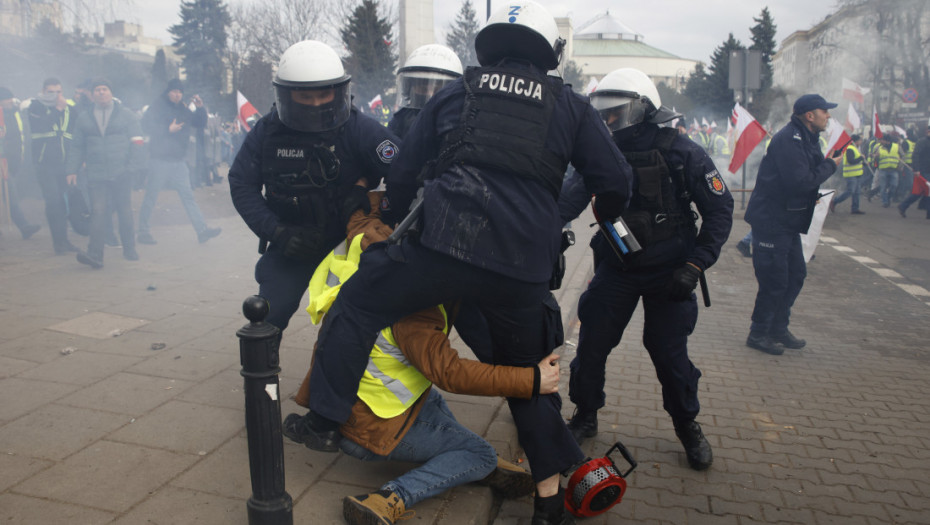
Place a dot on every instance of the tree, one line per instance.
(159, 73)
(573, 75)
(271, 26)
(371, 59)
(708, 89)
(461, 37)
(763, 40)
(201, 39)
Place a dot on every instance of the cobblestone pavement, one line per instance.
(122, 400)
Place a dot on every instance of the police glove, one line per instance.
(608, 206)
(684, 280)
(356, 199)
(303, 243)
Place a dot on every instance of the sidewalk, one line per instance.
(101, 424)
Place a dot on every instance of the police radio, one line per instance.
(620, 238)
(597, 485)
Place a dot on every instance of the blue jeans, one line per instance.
(451, 454)
(853, 185)
(888, 180)
(747, 238)
(170, 175)
(778, 261)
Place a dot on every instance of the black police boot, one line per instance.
(551, 510)
(29, 230)
(744, 248)
(697, 449)
(583, 425)
(89, 260)
(788, 340)
(306, 430)
(208, 234)
(764, 343)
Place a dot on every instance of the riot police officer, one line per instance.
(671, 173)
(427, 69)
(316, 157)
(495, 145)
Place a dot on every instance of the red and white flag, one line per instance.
(247, 112)
(876, 125)
(837, 138)
(713, 124)
(852, 119)
(854, 92)
(592, 85)
(900, 131)
(704, 122)
(375, 102)
(749, 133)
(694, 124)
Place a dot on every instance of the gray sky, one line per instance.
(687, 28)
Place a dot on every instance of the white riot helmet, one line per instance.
(522, 29)
(426, 71)
(626, 97)
(305, 67)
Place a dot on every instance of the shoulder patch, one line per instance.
(387, 151)
(796, 136)
(715, 182)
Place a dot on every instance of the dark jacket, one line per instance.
(421, 339)
(51, 132)
(494, 219)
(788, 183)
(164, 145)
(14, 145)
(111, 156)
(922, 156)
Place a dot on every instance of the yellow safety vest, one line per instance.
(823, 144)
(852, 170)
(721, 147)
(59, 129)
(888, 158)
(390, 384)
(909, 154)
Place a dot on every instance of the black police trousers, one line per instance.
(397, 280)
(605, 309)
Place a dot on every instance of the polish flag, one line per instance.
(852, 119)
(247, 112)
(838, 138)
(592, 85)
(694, 124)
(375, 102)
(749, 133)
(876, 125)
(713, 124)
(853, 91)
(704, 122)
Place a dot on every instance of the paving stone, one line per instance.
(170, 506)
(98, 325)
(55, 431)
(126, 393)
(17, 468)
(183, 427)
(15, 508)
(108, 476)
(80, 368)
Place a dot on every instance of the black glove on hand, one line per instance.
(356, 199)
(300, 243)
(684, 280)
(608, 206)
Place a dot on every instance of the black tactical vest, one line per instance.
(660, 208)
(301, 179)
(504, 125)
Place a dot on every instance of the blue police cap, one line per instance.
(811, 102)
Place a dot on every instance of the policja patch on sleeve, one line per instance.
(715, 182)
(387, 151)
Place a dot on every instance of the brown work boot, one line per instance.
(378, 508)
(509, 480)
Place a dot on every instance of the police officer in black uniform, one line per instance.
(671, 172)
(427, 69)
(316, 157)
(489, 152)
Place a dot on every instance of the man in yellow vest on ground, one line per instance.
(397, 415)
(853, 168)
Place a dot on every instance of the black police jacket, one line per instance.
(703, 186)
(363, 146)
(493, 219)
(788, 182)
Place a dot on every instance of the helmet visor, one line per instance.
(313, 110)
(619, 112)
(415, 88)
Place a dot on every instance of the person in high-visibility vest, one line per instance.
(888, 155)
(853, 168)
(398, 415)
(12, 152)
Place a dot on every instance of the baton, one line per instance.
(704, 292)
(407, 223)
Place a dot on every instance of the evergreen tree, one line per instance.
(720, 97)
(201, 39)
(159, 74)
(461, 37)
(763, 39)
(573, 75)
(367, 37)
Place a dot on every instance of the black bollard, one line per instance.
(259, 341)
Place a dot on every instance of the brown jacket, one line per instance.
(421, 338)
